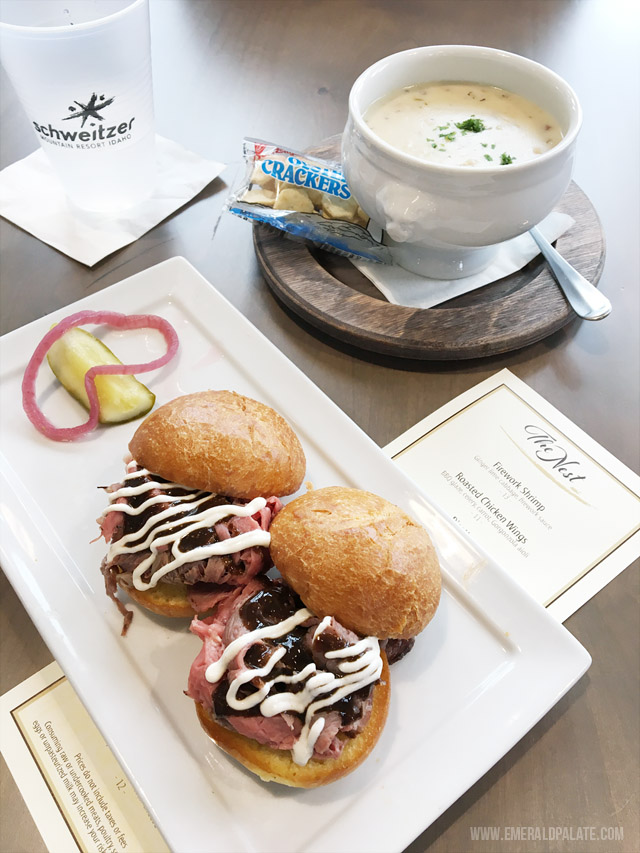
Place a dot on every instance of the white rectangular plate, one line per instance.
(486, 669)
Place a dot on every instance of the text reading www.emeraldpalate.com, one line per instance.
(546, 833)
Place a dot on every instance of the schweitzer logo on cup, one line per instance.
(99, 136)
(89, 110)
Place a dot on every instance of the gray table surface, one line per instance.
(281, 70)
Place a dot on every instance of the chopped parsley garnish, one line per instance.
(434, 144)
(506, 159)
(449, 137)
(488, 157)
(484, 144)
(475, 125)
(494, 145)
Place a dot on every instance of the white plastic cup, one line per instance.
(82, 70)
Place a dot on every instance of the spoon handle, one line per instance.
(585, 299)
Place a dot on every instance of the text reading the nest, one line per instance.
(549, 451)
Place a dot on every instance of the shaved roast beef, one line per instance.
(203, 577)
(261, 603)
(397, 649)
(279, 732)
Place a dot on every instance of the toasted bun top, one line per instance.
(355, 556)
(277, 765)
(221, 442)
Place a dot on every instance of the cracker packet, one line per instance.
(306, 197)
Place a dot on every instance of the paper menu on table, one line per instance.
(74, 787)
(558, 512)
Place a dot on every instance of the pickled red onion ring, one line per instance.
(111, 318)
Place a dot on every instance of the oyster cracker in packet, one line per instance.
(307, 198)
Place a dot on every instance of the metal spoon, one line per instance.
(585, 299)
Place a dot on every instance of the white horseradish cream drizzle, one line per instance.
(157, 531)
(321, 688)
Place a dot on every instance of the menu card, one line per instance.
(553, 508)
(74, 787)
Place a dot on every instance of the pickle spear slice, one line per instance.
(121, 398)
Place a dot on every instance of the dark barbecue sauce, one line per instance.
(195, 539)
(269, 606)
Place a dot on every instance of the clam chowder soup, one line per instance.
(463, 124)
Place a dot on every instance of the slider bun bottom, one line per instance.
(166, 599)
(277, 765)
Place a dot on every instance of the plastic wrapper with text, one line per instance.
(305, 197)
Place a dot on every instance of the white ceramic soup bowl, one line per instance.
(445, 221)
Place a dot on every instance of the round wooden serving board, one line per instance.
(329, 293)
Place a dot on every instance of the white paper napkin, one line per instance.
(402, 287)
(32, 197)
